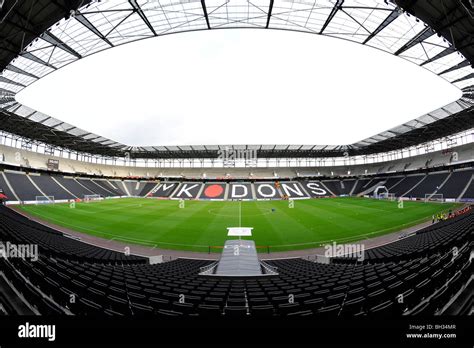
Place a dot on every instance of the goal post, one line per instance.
(92, 198)
(436, 197)
(390, 196)
(381, 192)
(44, 200)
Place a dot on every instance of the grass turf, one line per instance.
(201, 224)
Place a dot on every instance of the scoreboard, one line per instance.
(53, 164)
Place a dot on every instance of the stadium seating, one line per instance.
(134, 187)
(406, 185)
(50, 187)
(439, 237)
(316, 289)
(469, 194)
(392, 181)
(108, 283)
(18, 229)
(5, 189)
(94, 187)
(105, 185)
(428, 185)
(116, 187)
(340, 187)
(23, 187)
(450, 184)
(74, 187)
(361, 185)
(147, 188)
(456, 183)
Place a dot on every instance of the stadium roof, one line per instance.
(39, 37)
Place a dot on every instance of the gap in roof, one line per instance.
(239, 87)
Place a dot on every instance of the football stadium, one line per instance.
(183, 226)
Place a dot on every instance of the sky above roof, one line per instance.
(239, 87)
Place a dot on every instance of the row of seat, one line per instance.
(18, 229)
(301, 288)
(438, 237)
(71, 276)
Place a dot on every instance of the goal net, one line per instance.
(387, 195)
(381, 192)
(437, 197)
(44, 199)
(92, 198)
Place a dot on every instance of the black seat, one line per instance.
(236, 312)
(286, 308)
(89, 307)
(208, 310)
(353, 306)
(159, 303)
(384, 308)
(185, 308)
(330, 311)
(262, 310)
(141, 310)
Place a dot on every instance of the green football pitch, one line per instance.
(200, 225)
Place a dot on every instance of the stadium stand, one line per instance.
(94, 187)
(117, 187)
(456, 183)
(104, 185)
(147, 188)
(114, 186)
(134, 187)
(23, 187)
(392, 181)
(450, 184)
(469, 194)
(347, 186)
(16, 228)
(339, 187)
(333, 185)
(73, 186)
(406, 185)
(360, 185)
(428, 186)
(322, 290)
(437, 238)
(50, 187)
(107, 282)
(6, 189)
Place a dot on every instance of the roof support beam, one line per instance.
(334, 10)
(56, 125)
(420, 37)
(206, 16)
(142, 15)
(386, 22)
(441, 54)
(270, 10)
(20, 71)
(49, 37)
(467, 77)
(85, 22)
(463, 64)
(34, 58)
(5, 80)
